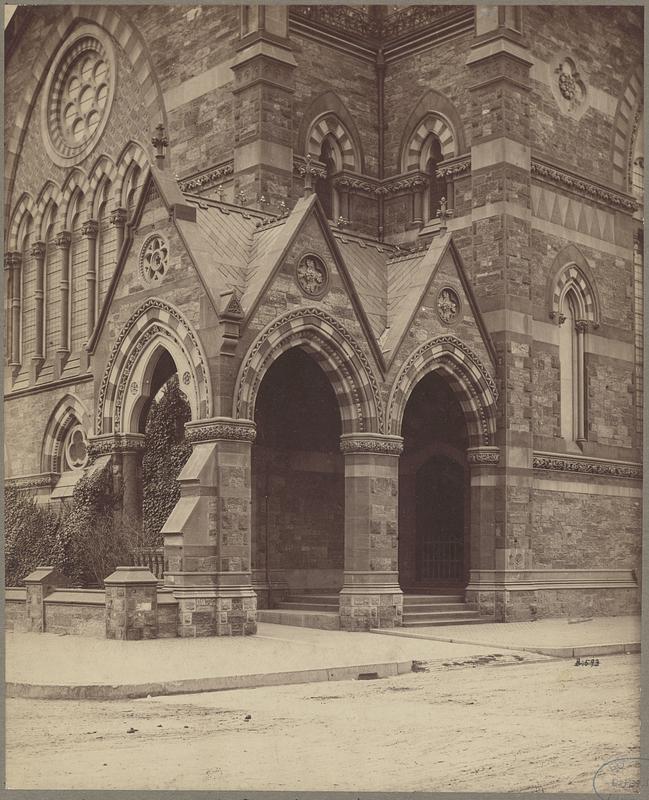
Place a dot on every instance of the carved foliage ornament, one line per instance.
(392, 446)
(210, 431)
(154, 258)
(566, 464)
(312, 275)
(448, 305)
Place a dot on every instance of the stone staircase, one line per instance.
(422, 608)
(439, 607)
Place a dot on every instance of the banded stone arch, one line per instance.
(68, 413)
(25, 207)
(330, 124)
(414, 154)
(103, 171)
(115, 23)
(73, 194)
(132, 155)
(572, 272)
(333, 348)
(627, 118)
(50, 197)
(466, 375)
(155, 326)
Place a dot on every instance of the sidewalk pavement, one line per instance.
(50, 666)
(564, 638)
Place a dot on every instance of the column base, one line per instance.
(220, 612)
(377, 605)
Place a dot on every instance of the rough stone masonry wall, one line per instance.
(573, 530)
(185, 42)
(304, 524)
(26, 419)
(606, 43)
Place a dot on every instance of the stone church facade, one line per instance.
(393, 255)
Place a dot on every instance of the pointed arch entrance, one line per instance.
(298, 481)
(434, 513)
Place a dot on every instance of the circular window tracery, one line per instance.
(78, 95)
(154, 258)
(75, 449)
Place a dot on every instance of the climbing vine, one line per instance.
(165, 454)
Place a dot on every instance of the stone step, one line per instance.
(446, 617)
(295, 605)
(325, 620)
(435, 621)
(328, 599)
(428, 600)
(437, 608)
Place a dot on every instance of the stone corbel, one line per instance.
(230, 317)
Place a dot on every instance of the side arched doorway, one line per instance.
(434, 490)
(298, 483)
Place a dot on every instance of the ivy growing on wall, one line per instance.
(165, 454)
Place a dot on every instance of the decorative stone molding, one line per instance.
(312, 167)
(356, 184)
(449, 306)
(452, 169)
(351, 443)
(481, 456)
(208, 178)
(128, 345)
(13, 260)
(43, 480)
(407, 183)
(118, 216)
(154, 258)
(114, 443)
(312, 275)
(581, 186)
(562, 463)
(90, 229)
(340, 351)
(38, 250)
(217, 428)
(63, 239)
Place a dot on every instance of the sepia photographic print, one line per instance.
(323, 399)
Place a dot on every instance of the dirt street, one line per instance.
(546, 725)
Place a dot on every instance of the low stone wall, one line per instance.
(15, 609)
(80, 612)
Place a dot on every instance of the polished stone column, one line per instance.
(14, 262)
(118, 218)
(371, 596)
(89, 230)
(38, 253)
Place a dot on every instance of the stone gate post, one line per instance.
(207, 536)
(371, 596)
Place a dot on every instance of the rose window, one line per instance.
(84, 97)
(154, 258)
(76, 449)
(78, 95)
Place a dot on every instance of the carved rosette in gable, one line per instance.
(230, 317)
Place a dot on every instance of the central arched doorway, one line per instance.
(298, 482)
(433, 490)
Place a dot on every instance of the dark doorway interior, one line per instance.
(433, 490)
(298, 478)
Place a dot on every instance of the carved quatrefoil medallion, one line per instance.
(312, 275)
(448, 305)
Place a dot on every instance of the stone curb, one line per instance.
(569, 651)
(193, 685)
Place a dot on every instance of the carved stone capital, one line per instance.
(114, 443)
(13, 260)
(90, 229)
(118, 216)
(581, 325)
(481, 456)
(38, 250)
(377, 444)
(63, 239)
(219, 428)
